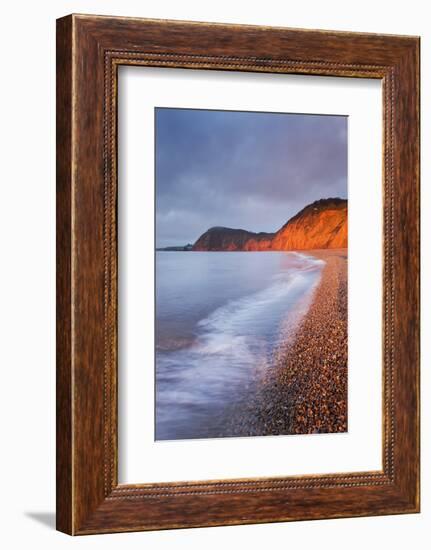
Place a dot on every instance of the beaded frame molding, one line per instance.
(89, 51)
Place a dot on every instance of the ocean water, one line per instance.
(220, 318)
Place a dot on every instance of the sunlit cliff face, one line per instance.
(322, 224)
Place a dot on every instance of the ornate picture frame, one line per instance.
(89, 51)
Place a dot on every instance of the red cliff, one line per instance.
(322, 224)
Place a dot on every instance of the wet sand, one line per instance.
(306, 390)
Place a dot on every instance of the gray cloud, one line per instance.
(242, 169)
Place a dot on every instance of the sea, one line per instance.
(221, 319)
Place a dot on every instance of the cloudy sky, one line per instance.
(243, 170)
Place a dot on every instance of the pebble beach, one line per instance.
(306, 390)
(314, 376)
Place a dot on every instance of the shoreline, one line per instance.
(322, 341)
(310, 384)
(301, 388)
(306, 390)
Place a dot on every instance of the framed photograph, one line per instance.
(237, 274)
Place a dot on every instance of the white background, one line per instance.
(27, 122)
(141, 458)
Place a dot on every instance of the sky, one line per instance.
(245, 170)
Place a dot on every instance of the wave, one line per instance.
(232, 347)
